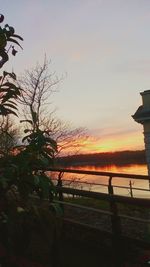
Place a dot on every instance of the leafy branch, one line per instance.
(9, 92)
(7, 34)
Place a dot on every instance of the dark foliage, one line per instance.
(7, 34)
(20, 178)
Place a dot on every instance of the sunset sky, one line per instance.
(102, 48)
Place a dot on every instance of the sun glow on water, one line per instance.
(127, 169)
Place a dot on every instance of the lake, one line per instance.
(99, 183)
(132, 168)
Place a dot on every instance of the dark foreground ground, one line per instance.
(81, 246)
(76, 254)
(85, 247)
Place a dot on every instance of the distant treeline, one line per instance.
(118, 158)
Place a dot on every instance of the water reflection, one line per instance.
(100, 183)
(132, 184)
(132, 168)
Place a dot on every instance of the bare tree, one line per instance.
(38, 85)
(9, 135)
(69, 139)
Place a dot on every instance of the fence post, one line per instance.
(59, 184)
(110, 186)
(131, 190)
(116, 227)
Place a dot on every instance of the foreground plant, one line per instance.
(22, 215)
(7, 35)
(9, 91)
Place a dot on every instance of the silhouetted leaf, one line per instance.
(4, 59)
(10, 85)
(10, 111)
(14, 41)
(3, 90)
(8, 95)
(11, 106)
(3, 40)
(11, 30)
(14, 52)
(13, 75)
(52, 142)
(26, 137)
(5, 111)
(5, 73)
(29, 121)
(17, 36)
(27, 131)
(1, 18)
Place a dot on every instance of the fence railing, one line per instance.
(110, 176)
(110, 196)
(112, 199)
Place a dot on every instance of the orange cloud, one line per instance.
(127, 141)
(106, 142)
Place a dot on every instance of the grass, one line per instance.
(88, 202)
(105, 205)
